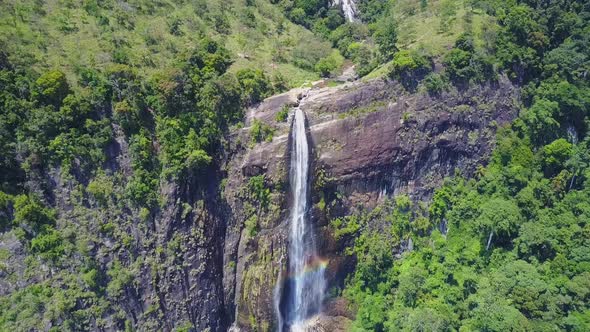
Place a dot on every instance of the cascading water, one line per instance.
(348, 7)
(306, 271)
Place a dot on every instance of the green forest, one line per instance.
(504, 249)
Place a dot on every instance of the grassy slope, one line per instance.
(70, 34)
(423, 29)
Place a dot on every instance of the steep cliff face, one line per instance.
(174, 256)
(369, 140)
(214, 251)
(160, 269)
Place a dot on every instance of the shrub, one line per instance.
(101, 188)
(6, 202)
(283, 114)
(254, 85)
(251, 225)
(48, 244)
(409, 66)
(326, 66)
(279, 83)
(120, 278)
(260, 131)
(258, 191)
(31, 215)
(435, 83)
(52, 87)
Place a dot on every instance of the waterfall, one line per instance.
(306, 270)
(348, 7)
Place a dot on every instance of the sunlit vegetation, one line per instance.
(506, 250)
(112, 101)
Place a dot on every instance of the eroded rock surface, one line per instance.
(213, 253)
(369, 140)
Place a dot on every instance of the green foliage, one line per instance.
(31, 215)
(435, 83)
(6, 202)
(283, 114)
(260, 132)
(499, 217)
(141, 188)
(307, 55)
(23, 309)
(329, 64)
(448, 12)
(509, 255)
(409, 66)
(101, 188)
(385, 37)
(251, 225)
(258, 191)
(254, 84)
(52, 87)
(555, 155)
(80, 82)
(540, 120)
(120, 277)
(49, 244)
(405, 63)
(457, 63)
(363, 57)
(465, 63)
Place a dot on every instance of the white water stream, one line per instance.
(348, 7)
(306, 270)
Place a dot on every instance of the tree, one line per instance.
(31, 215)
(386, 36)
(254, 84)
(541, 121)
(501, 218)
(329, 64)
(408, 67)
(209, 59)
(555, 155)
(457, 64)
(52, 87)
(309, 6)
(492, 313)
(371, 315)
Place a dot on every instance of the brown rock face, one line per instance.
(368, 139)
(404, 143)
(214, 251)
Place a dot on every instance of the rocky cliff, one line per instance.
(369, 140)
(213, 253)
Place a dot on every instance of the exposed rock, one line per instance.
(12, 263)
(324, 323)
(210, 255)
(368, 139)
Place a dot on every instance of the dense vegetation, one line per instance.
(76, 77)
(509, 249)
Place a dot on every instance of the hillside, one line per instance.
(153, 36)
(294, 165)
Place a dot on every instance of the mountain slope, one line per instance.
(143, 177)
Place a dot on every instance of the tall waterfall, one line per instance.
(348, 7)
(306, 270)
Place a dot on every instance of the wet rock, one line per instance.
(369, 140)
